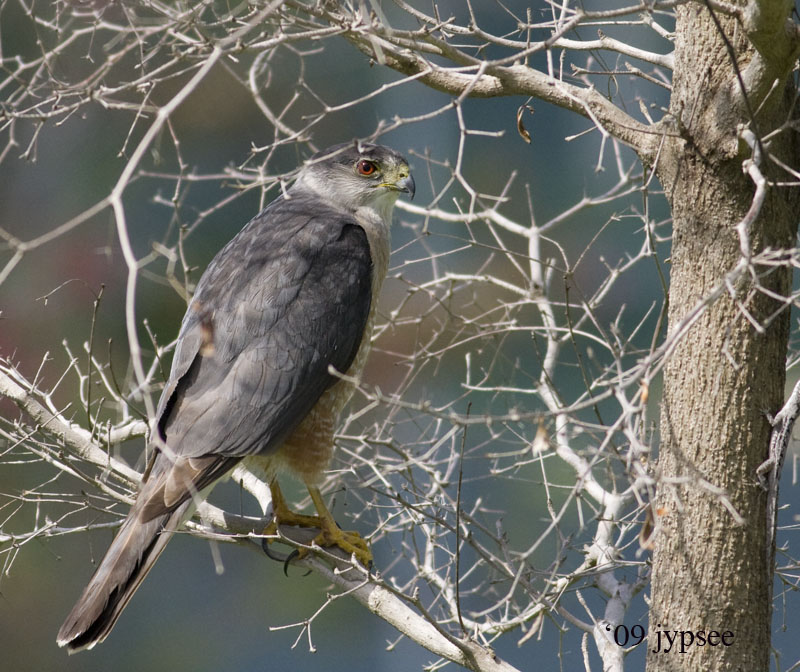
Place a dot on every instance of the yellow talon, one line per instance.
(330, 534)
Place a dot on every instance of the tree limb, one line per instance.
(776, 39)
(78, 440)
(388, 606)
(521, 80)
(403, 51)
(223, 526)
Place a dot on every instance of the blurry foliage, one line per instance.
(509, 373)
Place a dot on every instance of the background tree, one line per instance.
(502, 451)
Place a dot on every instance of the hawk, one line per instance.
(278, 327)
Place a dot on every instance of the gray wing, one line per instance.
(288, 297)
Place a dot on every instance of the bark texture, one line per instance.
(710, 570)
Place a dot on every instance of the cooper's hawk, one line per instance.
(282, 308)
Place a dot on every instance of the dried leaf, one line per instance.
(541, 441)
(520, 126)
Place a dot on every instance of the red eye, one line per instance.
(366, 168)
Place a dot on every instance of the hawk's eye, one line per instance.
(367, 168)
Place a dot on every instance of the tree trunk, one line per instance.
(710, 570)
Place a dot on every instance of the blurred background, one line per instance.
(214, 167)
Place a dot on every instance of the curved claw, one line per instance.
(267, 548)
(294, 554)
(331, 534)
(270, 531)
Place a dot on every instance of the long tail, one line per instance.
(125, 565)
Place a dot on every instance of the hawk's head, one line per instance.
(358, 175)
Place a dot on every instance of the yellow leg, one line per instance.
(283, 515)
(330, 535)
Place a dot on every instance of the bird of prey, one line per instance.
(278, 327)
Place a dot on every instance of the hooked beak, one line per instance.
(407, 186)
(399, 181)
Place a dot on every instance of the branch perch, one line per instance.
(223, 526)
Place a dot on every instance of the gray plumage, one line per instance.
(291, 295)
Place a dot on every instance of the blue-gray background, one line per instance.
(185, 616)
